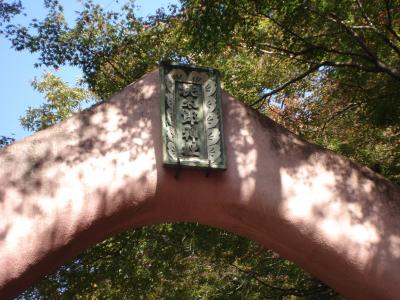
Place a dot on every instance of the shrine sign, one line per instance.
(191, 116)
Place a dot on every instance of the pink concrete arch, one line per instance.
(100, 172)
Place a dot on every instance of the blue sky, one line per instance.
(17, 68)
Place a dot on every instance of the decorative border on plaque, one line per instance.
(191, 117)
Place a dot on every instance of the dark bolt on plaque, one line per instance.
(191, 117)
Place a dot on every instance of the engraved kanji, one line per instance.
(190, 103)
(191, 148)
(189, 133)
(189, 116)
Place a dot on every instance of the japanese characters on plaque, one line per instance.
(191, 117)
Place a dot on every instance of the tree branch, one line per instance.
(370, 55)
(337, 114)
(286, 84)
(377, 31)
(316, 47)
(389, 18)
(286, 29)
(333, 18)
(313, 69)
(388, 13)
(351, 65)
(381, 65)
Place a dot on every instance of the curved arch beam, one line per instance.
(100, 172)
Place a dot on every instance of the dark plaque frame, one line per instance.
(191, 117)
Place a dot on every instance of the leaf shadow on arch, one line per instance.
(100, 172)
(318, 209)
(69, 186)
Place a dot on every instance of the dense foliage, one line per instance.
(338, 68)
(179, 261)
(61, 102)
(327, 70)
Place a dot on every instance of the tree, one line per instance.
(326, 70)
(61, 102)
(326, 37)
(341, 68)
(8, 10)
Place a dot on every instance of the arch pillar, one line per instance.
(100, 172)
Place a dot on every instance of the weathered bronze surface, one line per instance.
(191, 115)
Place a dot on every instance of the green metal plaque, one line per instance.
(191, 117)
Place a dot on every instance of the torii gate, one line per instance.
(100, 172)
